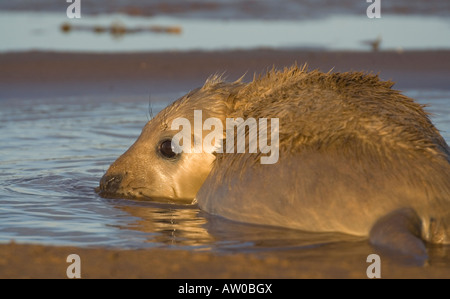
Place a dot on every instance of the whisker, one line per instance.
(150, 108)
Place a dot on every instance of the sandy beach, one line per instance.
(41, 74)
(37, 261)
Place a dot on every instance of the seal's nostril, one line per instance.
(110, 183)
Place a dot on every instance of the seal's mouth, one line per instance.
(107, 194)
(138, 195)
(110, 188)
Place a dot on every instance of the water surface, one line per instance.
(24, 31)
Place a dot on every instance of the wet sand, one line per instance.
(36, 261)
(39, 74)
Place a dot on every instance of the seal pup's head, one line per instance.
(152, 168)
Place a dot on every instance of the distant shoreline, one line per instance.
(242, 9)
(37, 74)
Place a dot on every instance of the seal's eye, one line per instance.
(166, 149)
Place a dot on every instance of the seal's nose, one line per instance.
(110, 183)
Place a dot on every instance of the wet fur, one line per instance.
(352, 151)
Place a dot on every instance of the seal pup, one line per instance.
(355, 156)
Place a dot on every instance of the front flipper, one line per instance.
(399, 232)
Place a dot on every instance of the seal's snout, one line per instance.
(109, 184)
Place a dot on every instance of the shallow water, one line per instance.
(24, 31)
(53, 152)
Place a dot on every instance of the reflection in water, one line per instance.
(185, 225)
(168, 224)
